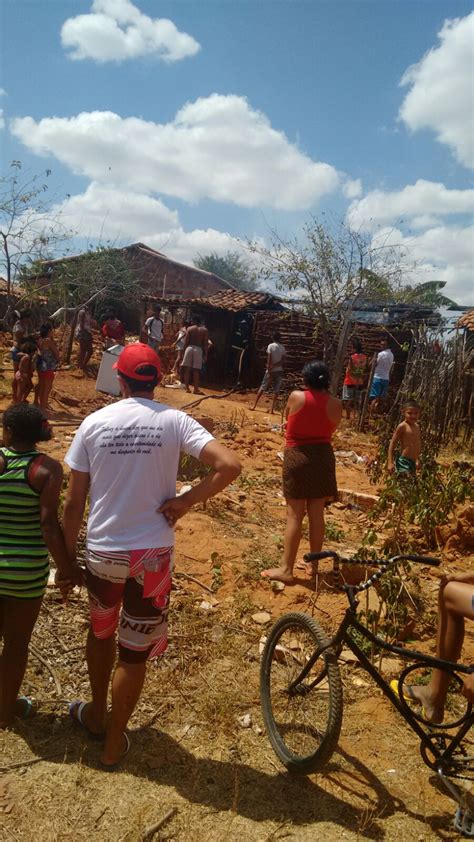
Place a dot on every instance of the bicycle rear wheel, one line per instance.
(303, 722)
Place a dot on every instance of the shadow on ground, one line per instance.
(224, 785)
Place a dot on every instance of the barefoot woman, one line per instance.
(309, 468)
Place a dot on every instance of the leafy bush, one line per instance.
(426, 499)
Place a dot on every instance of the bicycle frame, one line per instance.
(430, 739)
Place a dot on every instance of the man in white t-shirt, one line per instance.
(125, 457)
(273, 376)
(153, 328)
(381, 380)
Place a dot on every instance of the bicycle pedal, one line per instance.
(464, 823)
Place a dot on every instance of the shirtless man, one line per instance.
(195, 353)
(84, 337)
(408, 434)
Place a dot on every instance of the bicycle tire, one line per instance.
(280, 734)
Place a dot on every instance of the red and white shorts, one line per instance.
(131, 589)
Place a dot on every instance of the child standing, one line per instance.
(30, 485)
(26, 367)
(409, 436)
(48, 361)
(21, 329)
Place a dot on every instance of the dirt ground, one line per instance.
(189, 752)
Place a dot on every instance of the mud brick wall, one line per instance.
(182, 281)
(300, 337)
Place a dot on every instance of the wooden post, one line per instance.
(67, 356)
(341, 351)
(363, 413)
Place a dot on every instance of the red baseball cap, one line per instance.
(133, 357)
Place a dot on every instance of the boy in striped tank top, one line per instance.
(30, 484)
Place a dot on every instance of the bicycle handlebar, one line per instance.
(382, 564)
(417, 559)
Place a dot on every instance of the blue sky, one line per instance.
(233, 117)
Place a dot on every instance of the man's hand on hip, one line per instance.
(175, 508)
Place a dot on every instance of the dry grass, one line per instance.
(189, 751)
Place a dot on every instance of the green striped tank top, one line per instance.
(24, 561)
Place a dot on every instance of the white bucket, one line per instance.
(107, 377)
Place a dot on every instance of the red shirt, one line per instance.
(355, 371)
(310, 424)
(113, 329)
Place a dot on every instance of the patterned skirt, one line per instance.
(309, 472)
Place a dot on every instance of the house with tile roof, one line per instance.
(157, 273)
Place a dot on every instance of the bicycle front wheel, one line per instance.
(302, 709)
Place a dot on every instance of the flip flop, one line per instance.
(112, 767)
(28, 711)
(76, 709)
(407, 695)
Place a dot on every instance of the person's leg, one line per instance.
(143, 634)
(258, 396)
(26, 390)
(187, 376)
(18, 620)
(82, 353)
(454, 605)
(16, 366)
(127, 685)
(105, 599)
(88, 351)
(276, 391)
(47, 385)
(263, 387)
(100, 656)
(196, 378)
(315, 508)
(295, 512)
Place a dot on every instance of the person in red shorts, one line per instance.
(125, 457)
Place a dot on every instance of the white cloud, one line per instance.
(441, 89)
(2, 119)
(352, 188)
(415, 200)
(444, 253)
(109, 214)
(217, 147)
(116, 30)
(3, 92)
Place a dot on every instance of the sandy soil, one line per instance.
(189, 752)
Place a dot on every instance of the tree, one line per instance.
(231, 267)
(102, 277)
(332, 269)
(29, 226)
(428, 294)
(74, 280)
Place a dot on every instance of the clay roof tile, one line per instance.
(466, 320)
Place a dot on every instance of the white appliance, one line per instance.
(107, 377)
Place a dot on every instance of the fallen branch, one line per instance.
(21, 763)
(196, 581)
(208, 397)
(153, 828)
(50, 669)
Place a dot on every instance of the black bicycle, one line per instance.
(302, 699)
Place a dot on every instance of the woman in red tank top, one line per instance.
(309, 466)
